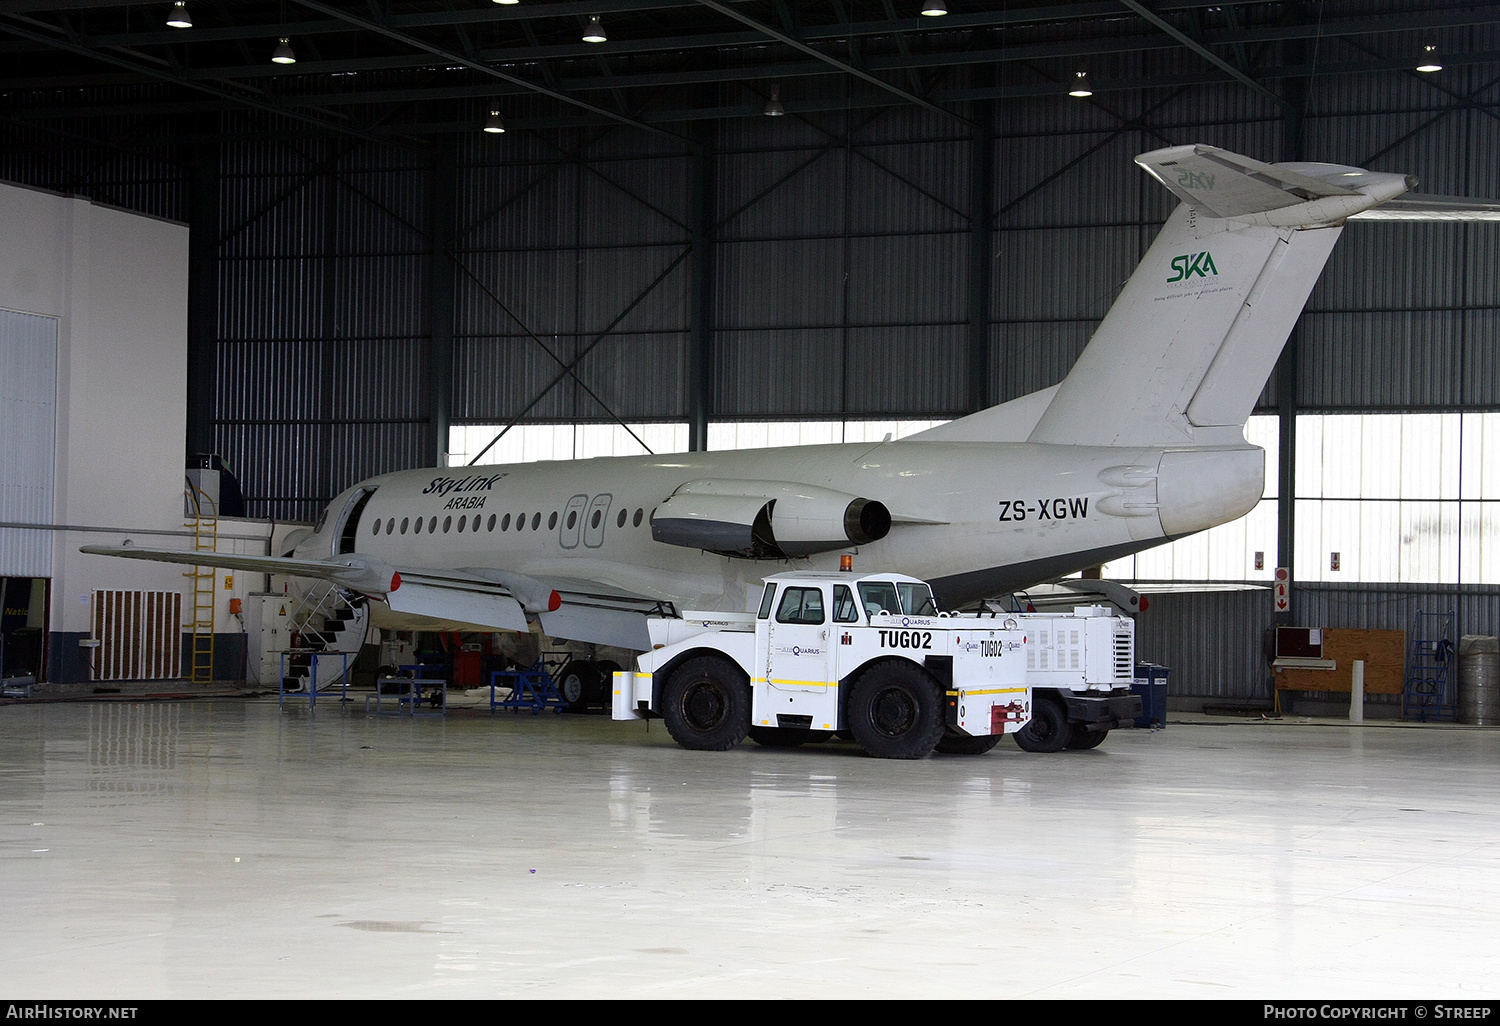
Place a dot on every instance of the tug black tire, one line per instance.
(1049, 729)
(706, 704)
(896, 711)
(1085, 739)
(966, 744)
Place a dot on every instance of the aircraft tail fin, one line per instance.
(1187, 347)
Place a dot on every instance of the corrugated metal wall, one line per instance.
(841, 279)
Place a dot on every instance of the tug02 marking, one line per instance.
(905, 639)
(1070, 507)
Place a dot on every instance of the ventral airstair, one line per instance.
(328, 623)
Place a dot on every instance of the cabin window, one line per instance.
(916, 599)
(620, 520)
(765, 602)
(844, 608)
(432, 525)
(447, 523)
(463, 522)
(552, 520)
(594, 521)
(572, 518)
(505, 524)
(520, 521)
(638, 515)
(536, 521)
(404, 522)
(417, 527)
(375, 527)
(878, 597)
(390, 526)
(801, 605)
(492, 524)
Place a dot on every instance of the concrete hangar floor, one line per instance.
(233, 849)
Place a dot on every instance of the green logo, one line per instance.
(1189, 264)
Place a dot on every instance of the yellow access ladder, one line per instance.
(205, 527)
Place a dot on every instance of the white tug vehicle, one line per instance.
(869, 656)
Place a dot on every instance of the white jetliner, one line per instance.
(1141, 443)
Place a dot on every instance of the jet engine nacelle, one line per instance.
(779, 519)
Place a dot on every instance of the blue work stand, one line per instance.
(532, 688)
(409, 697)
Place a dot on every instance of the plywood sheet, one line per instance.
(1384, 653)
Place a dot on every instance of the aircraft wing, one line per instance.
(477, 598)
(1431, 208)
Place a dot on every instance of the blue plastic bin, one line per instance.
(1151, 685)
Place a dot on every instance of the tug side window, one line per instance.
(844, 608)
(801, 605)
(765, 602)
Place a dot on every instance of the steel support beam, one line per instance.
(981, 254)
(700, 383)
(203, 291)
(441, 171)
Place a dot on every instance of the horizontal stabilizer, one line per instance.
(1226, 184)
(1431, 208)
(358, 573)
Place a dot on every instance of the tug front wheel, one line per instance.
(896, 711)
(706, 704)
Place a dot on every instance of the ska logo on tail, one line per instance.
(1189, 264)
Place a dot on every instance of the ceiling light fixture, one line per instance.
(283, 52)
(1081, 86)
(774, 109)
(595, 32)
(1429, 60)
(179, 16)
(507, 1)
(494, 125)
(934, 8)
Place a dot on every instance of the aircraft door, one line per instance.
(572, 520)
(348, 530)
(593, 529)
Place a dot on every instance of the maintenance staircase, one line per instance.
(205, 527)
(1428, 693)
(328, 622)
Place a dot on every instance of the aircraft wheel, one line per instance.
(706, 705)
(1084, 739)
(1049, 729)
(967, 744)
(896, 711)
(579, 685)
